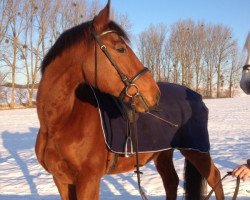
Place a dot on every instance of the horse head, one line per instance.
(113, 68)
(245, 78)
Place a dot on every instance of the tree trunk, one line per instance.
(218, 81)
(13, 74)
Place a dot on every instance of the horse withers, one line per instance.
(245, 78)
(70, 143)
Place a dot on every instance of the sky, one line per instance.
(234, 14)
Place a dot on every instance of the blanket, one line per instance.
(178, 104)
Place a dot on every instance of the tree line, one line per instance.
(28, 28)
(198, 55)
(201, 56)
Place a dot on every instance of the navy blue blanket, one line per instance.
(178, 104)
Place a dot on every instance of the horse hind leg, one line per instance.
(206, 168)
(165, 166)
(67, 191)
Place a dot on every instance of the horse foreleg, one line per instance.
(205, 165)
(88, 186)
(67, 191)
(165, 166)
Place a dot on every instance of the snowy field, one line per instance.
(22, 178)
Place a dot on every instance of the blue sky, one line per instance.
(232, 13)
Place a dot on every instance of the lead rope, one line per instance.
(133, 131)
(216, 185)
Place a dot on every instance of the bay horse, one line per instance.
(70, 144)
(245, 78)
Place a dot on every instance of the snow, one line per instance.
(22, 178)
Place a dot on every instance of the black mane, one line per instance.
(73, 36)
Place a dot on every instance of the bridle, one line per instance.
(246, 67)
(130, 111)
(128, 82)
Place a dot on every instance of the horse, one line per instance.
(70, 144)
(245, 78)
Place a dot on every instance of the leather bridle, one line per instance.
(128, 82)
(246, 67)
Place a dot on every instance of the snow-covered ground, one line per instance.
(22, 178)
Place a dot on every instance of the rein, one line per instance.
(128, 82)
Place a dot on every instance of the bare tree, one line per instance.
(150, 46)
(224, 48)
(199, 55)
(124, 21)
(4, 23)
(173, 46)
(2, 92)
(94, 9)
(198, 45)
(209, 59)
(16, 10)
(195, 54)
(2, 78)
(4, 19)
(30, 48)
(167, 62)
(181, 38)
(21, 96)
(234, 71)
(28, 28)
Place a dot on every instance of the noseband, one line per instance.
(129, 83)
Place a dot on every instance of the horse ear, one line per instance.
(102, 19)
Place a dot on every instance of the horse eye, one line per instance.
(121, 49)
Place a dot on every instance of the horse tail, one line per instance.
(194, 183)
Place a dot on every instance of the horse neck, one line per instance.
(56, 94)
